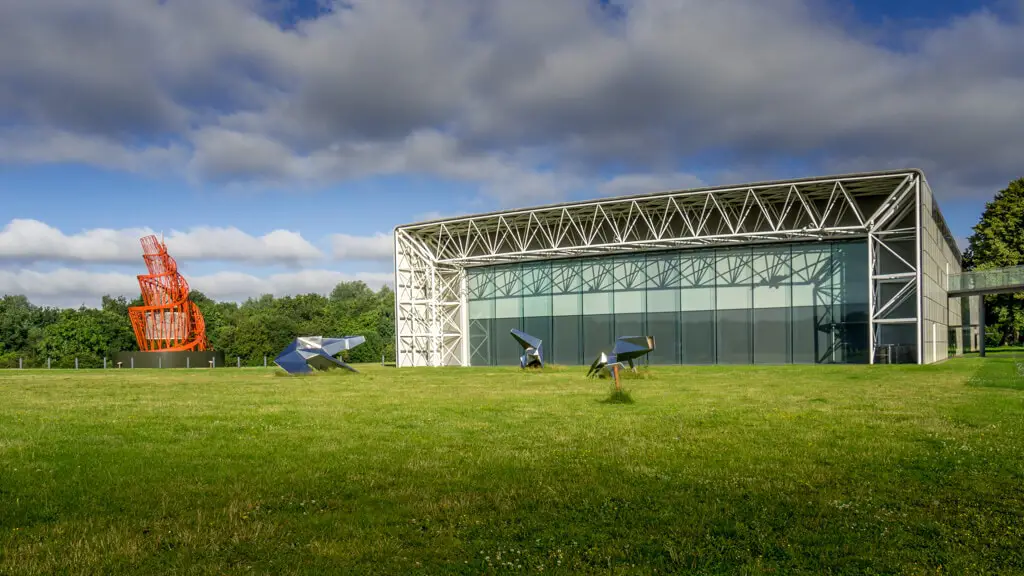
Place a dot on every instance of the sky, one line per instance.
(275, 144)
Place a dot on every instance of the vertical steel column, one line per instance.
(435, 340)
(920, 291)
(981, 325)
(398, 299)
(871, 299)
(464, 315)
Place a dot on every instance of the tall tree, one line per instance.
(998, 241)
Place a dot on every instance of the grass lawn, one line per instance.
(712, 470)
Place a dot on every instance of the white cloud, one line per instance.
(524, 98)
(73, 287)
(627, 184)
(52, 146)
(32, 240)
(377, 247)
(210, 243)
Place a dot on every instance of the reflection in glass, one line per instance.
(768, 304)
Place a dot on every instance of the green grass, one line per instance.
(711, 470)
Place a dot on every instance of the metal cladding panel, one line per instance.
(940, 257)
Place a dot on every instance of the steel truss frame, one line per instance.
(431, 257)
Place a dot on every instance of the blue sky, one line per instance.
(278, 143)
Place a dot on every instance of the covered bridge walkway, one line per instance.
(980, 282)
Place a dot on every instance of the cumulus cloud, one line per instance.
(525, 98)
(627, 184)
(29, 240)
(74, 287)
(377, 247)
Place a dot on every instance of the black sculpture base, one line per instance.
(169, 359)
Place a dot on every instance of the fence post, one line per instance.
(238, 361)
(104, 362)
(213, 362)
(47, 362)
(264, 360)
(133, 361)
(19, 364)
(76, 362)
(160, 362)
(188, 361)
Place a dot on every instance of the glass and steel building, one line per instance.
(840, 269)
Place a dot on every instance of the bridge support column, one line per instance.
(981, 325)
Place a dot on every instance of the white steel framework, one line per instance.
(882, 207)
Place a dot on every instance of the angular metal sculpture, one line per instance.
(309, 352)
(627, 349)
(533, 350)
(168, 321)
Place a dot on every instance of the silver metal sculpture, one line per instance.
(316, 352)
(627, 349)
(533, 350)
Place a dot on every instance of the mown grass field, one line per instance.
(713, 470)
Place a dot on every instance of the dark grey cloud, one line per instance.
(525, 97)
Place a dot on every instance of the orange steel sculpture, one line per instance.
(169, 321)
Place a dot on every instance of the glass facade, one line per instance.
(770, 304)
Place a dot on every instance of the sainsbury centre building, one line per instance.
(850, 268)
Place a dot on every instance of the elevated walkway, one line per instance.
(980, 282)
(993, 281)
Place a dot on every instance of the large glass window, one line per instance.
(772, 299)
(630, 296)
(765, 304)
(733, 297)
(663, 320)
(537, 300)
(566, 346)
(508, 313)
(697, 306)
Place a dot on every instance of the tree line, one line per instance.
(256, 328)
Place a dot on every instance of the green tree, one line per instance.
(87, 334)
(998, 241)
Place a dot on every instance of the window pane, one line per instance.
(733, 281)
(811, 334)
(663, 322)
(567, 305)
(772, 278)
(480, 343)
(698, 337)
(850, 300)
(566, 341)
(734, 336)
(663, 271)
(629, 325)
(597, 335)
(664, 326)
(697, 303)
(540, 327)
(505, 350)
(771, 336)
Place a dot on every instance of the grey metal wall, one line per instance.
(939, 258)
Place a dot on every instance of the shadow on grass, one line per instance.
(618, 397)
